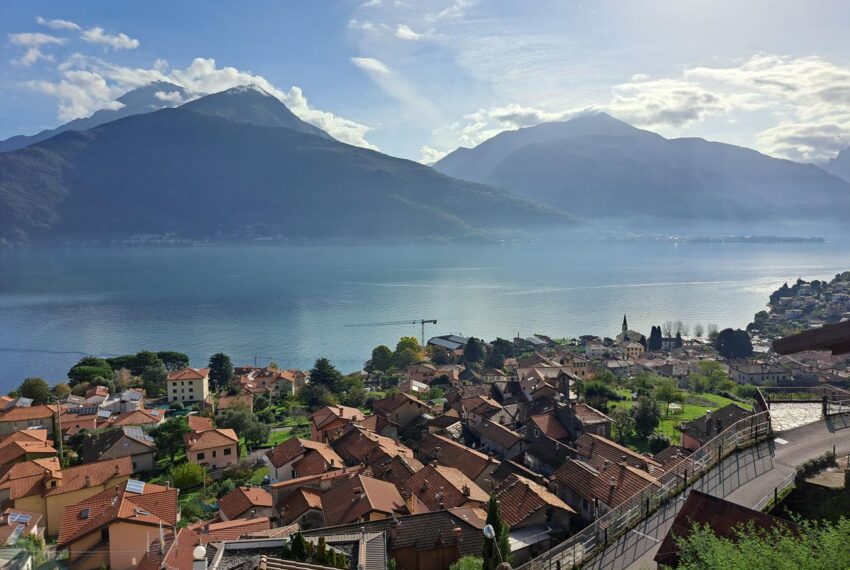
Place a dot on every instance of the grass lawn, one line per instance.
(694, 406)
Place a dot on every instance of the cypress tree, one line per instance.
(489, 553)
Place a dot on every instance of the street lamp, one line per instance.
(490, 534)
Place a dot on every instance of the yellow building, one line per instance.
(188, 385)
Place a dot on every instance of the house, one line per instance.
(695, 433)
(721, 516)
(548, 425)
(115, 528)
(246, 502)
(140, 417)
(424, 372)
(127, 401)
(411, 385)
(328, 422)
(500, 440)
(15, 524)
(127, 441)
(579, 418)
(21, 415)
(401, 408)
(439, 487)
(358, 445)
(596, 450)
(96, 395)
(74, 419)
(745, 372)
(298, 457)
(452, 343)
(536, 517)
(304, 508)
(592, 491)
(627, 335)
(440, 450)
(422, 541)
(239, 401)
(43, 487)
(595, 350)
(632, 350)
(198, 423)
(214, 448)
(360, 499)
(188, 385)
(25, 445)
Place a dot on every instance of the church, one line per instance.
(627, 336)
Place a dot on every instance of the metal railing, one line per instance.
(789, 481)
(607, 528)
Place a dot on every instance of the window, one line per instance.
(227, 450)
(200, 456)
(294, 474)
(213, 453)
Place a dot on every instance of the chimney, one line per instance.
(88, 481)
(466, 490)
(605, 464)
(612, 482)
(117, 471)
(718, 425)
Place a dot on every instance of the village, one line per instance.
(145, 462)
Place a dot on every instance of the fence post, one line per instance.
(775, 496)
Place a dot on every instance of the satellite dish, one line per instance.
(489, 532)
(199, 552)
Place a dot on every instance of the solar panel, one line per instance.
(104, 414)
(85, 410)
(24, 402)
(16, 534)
(135, 486)
(154, 413)
(20, 517)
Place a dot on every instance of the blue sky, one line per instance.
(418, 79)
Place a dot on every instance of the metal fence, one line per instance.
(607, 528)
(789, 481)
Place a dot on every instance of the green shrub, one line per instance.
(187, 475)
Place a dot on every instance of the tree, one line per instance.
(382, 358)
(260, 403)
(712, 331)
(61, 391)
(498, 549)
(473, 351)
(668, 328)
(315, 396)
(699, 330)
(168, 436)
(624, 424)
(658, 442)
(667, 392)
(814, 546)
(439, 355)
(325, 374)
(356, 396)
(173, 360)
(221, 370)
(654, 339)
(187, 475)
(733, 343)
(597, 394)
(35, 388)
(467, 563)
(246, 425)
(153, 380)
(495, 360)
(647, 415)
(298, 547)
(89, 368)
(35, 547)
(504, 347)
(709, 377)
(145, 359)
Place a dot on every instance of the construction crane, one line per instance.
(420, 322)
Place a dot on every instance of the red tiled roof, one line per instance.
(210, 439)
(612, 485)
(327, 414)
(452, 454)
(519, 498)
(17, 414)
(336, 473)
(155, 506)
(589, 416)
(358, 497)
(292, 448)
(241, 499)
(499, 434)
(364, 446)
(97, 473)
(25, 442)
(299, 502)
(189, 374)
(441, 487)
(550, 425)
(199, 423)
(595, 449)
(392, 403)
(140, 417)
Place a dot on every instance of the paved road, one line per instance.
(745, 478)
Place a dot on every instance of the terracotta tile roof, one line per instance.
(292, 448)
(299, 502)
(199, 423)
(392, 403)
(210, 439)
(359, 445)
(612, 484)
(671, 456)
(328, 414)
(499, 434)
(97, 473)
(97, 391)
(519, 498)
(595, 449)
(440, 487)
(242, 499)
(140, 417)
(189, 374)
(470, 462)
(26, 478)
(155, 506)
(17, 414)
(480, 405)
(335, 474)
(589, 416)
(19, 444)
(721, 516)
(396, 470)
(314, 463)
(358, 497)
(95, 445)
(550, 425)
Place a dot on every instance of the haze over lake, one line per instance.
(292, 303)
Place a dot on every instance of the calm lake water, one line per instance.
(292, 303)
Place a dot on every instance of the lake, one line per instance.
(291, 303)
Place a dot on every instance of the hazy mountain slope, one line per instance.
(840, 165)
(141, 100)
(621, 172)
(198, 175)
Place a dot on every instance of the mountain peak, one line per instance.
(253, 105)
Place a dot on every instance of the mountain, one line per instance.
(210, 169)
(599, 167)
(840, 165)
(141, 100)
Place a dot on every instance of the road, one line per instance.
(744, 478)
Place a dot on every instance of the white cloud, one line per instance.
(428, 155)
(58, 24)
(33, 41)
(173, 97)
(89, 84)
(403, 32)
(370, 65)
(31, 56)
(98, 35)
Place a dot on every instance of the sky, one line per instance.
(417, 79)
